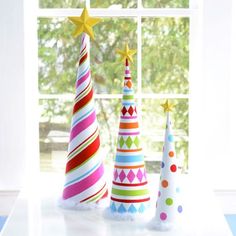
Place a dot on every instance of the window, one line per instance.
(160, 32)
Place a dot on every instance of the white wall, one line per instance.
(217, 48)
(12, 92)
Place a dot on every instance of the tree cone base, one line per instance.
(72, 205)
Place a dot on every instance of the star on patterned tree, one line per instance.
(167, 106)
(84, 23)
(126, 53)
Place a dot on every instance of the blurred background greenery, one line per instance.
(113, 3)
(165, 66)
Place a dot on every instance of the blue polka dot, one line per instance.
(170, 138)
(180, 209)
(162, 164)
(178, 190)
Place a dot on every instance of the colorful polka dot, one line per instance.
(159, 193)
(170, 138)
(173, 168)
(169, 201)
(164, 183)
(180, 208)
(163, 216)
(162, 164)
(171, 154)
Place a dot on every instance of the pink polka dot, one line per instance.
(163, 216)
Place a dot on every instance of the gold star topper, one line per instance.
(167, 106)
(127, 53)
(84, 23)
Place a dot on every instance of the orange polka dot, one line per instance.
(164, 183)
(171, 154)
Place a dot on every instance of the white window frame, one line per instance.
(33, 10)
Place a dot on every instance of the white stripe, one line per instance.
(82, 136)
(130, 197)
(83, 111)
(128, 130)
(128, 120)
(82, 68)
(142, 187)
(129, 153)
(137, 163)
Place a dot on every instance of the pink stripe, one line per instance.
(127, 72)
(78, 128)
(81, 80)
(84, 184)
(130, 133)
(128, 117)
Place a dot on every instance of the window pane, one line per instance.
(153, 127)
(54, 131)
(113, 3)
(61, 3)
(59, 52)
(166, 3)
(165, 55)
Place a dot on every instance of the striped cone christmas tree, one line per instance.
(129, 187)
(85, 185)
(168, 206)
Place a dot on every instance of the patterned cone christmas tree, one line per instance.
(130, 193)
(85, 183)
(168, 206)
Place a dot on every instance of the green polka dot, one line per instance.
(169, 201)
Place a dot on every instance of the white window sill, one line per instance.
(36, 213)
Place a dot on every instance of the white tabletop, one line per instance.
(36, 213)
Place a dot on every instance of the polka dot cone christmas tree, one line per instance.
(129, 195)
(167, 206)
(85, 184)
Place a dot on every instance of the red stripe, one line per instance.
(83, 101)
(105, 195)
(83, 141)
(130, 201)
(83, 156)
(133, 185)
(82, 59)
(83, 50)
(127, 78)
(94, 194)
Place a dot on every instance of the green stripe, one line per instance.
(129, 192)
(128, 97)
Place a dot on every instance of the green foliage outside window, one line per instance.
(116, 3)
(165, 65)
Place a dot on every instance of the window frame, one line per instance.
(192, 13)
